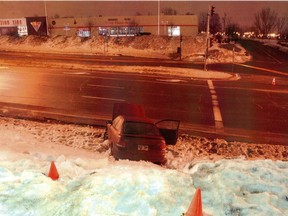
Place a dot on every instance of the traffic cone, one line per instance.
(53, 173)
(273, 81)
(195, 208)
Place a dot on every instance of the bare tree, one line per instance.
(202, 23)
(265, 21)
(226, 21)
(215, 24)
(282, 25)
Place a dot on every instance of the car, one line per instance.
(134, 136)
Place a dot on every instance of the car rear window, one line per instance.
(139, 128)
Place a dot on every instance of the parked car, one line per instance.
(134, 136)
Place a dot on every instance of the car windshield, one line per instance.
(139, 128)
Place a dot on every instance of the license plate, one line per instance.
(143, 148)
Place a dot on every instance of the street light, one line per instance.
(158, 17)
(46, 17)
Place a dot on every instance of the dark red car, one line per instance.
(133, 136)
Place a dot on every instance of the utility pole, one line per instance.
(46, 18)
(210, 13)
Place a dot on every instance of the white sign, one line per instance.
(12, 22)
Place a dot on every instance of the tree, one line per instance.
(232, 30)
(226, 21)
(282, 25)
(265, 21)
(202, 23)
(215, 24)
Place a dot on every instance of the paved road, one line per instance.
(251, 108)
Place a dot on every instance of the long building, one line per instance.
(169, 25)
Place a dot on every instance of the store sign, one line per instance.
(36, 25)
(12, 22)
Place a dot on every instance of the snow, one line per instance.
(93, 183)
(272, 43)
(235, 178)
(164, 47)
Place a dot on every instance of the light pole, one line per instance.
(210, 13)
(46, 17)
(158, 17)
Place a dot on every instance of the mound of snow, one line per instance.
(193, 48)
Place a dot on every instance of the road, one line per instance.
(250, 109)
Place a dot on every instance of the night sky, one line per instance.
(240, 12)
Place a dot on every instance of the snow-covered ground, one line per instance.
(273, 43)
(235, 178)
(193, 48)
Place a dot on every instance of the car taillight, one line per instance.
(122, 143)
(163, 144)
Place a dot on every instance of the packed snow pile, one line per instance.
(273, 43)
(193, 48)
(252, 182)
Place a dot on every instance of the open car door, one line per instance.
(169, 130)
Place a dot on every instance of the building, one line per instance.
(13, 26)
(23, 26)
(169, 25)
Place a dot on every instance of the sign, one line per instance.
(12, 22)
(36, 25)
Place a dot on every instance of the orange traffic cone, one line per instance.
(273, 81)
(53, 173)
(195, 208)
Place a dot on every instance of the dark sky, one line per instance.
(241, 12)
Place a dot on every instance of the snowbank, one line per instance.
(272, 43)
(92, 183)
(142, 46)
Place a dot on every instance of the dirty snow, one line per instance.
(235, 178)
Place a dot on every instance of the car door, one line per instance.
(169, 130)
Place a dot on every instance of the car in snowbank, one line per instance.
(134, 136)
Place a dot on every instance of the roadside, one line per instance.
(145, 46)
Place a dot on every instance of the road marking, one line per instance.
(270, 56)
(264, 69)
(216, 108)
(103, 98)
(105, 86)
(279, 91)
(77, 73)
(171, 80)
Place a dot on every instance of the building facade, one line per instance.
(169, 25)
(23, 26)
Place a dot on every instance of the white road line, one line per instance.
(103, 98)
(270, 56)
(105, 86)
(263, 69)
(216, 108)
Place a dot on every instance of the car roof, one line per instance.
(137, 119)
